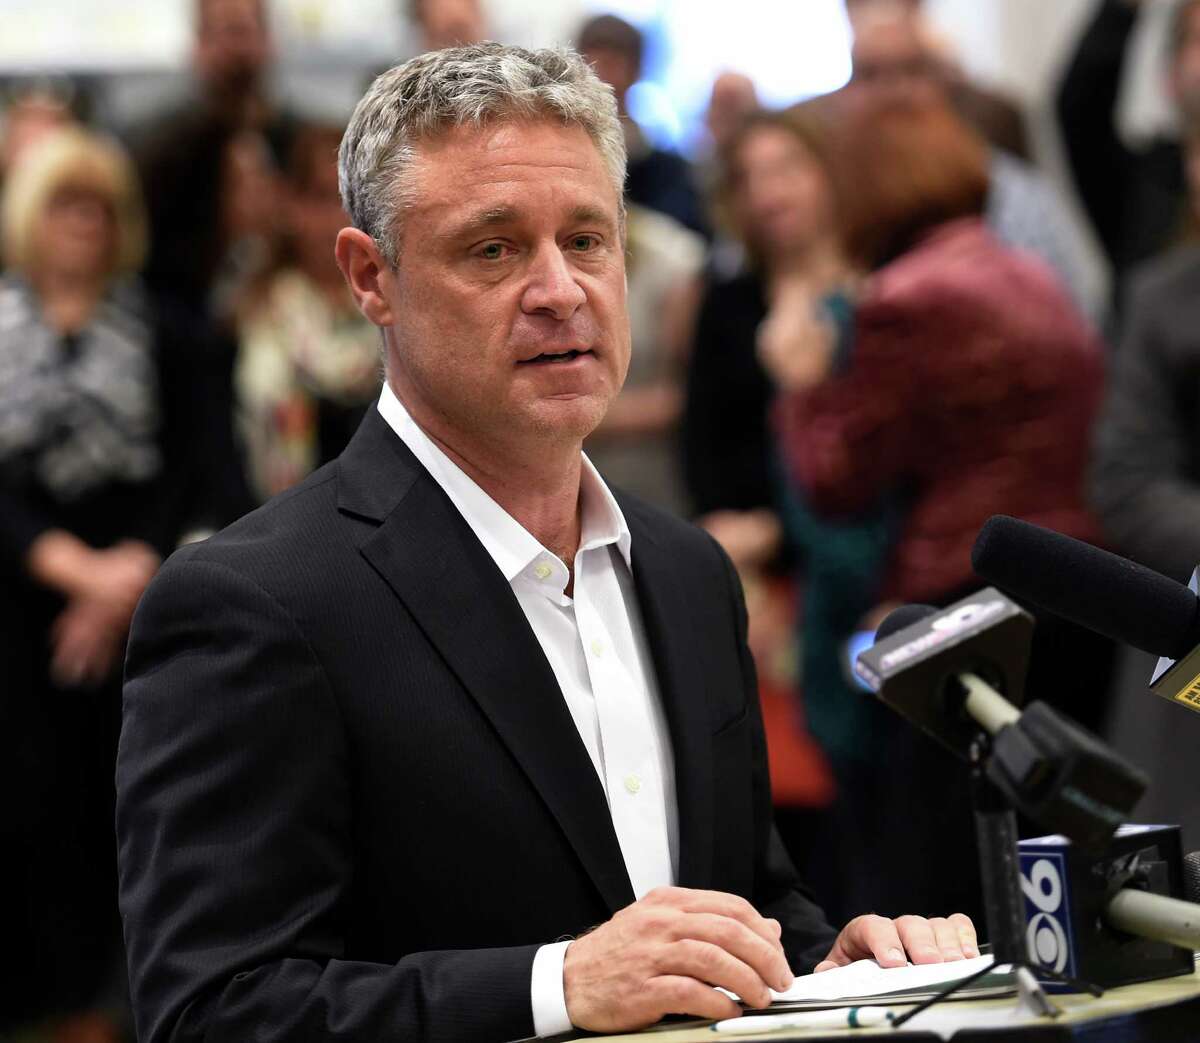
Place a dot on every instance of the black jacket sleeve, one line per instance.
(234, 828)
(1100, 163)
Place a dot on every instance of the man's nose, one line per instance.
(552, 288)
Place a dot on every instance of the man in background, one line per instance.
(199, 157)
(893, 60)
(447, 23)
(1136, 198)
(993, 115)
(658, 179)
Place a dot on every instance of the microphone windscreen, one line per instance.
(899, 618)
(1089, 586)
(1191, 877)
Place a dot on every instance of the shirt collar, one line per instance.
(512, 547)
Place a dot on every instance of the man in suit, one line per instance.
(394, 740)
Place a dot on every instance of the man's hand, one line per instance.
(663, 955)
(894, 942)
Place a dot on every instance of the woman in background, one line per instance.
(964, 385)
(308, 363)
(775, 194)
(104, 453)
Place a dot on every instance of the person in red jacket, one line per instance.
(967, 382)
(963, 384)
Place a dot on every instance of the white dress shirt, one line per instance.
(596, 645)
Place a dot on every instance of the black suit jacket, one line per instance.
(351, 800)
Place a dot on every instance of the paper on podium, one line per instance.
(865, 982)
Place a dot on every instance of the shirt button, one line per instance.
(597, 647)
(542, 570)
(632, 783)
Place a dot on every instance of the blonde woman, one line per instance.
(95, 475)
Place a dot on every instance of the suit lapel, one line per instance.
(428, 555)
(666, 614)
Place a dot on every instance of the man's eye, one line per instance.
(492, 251)
(583, 243)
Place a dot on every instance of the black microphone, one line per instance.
(1089, 586)
(1191, 877)
(1100, 592)
(960, 672)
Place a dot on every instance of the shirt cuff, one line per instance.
(546, 991)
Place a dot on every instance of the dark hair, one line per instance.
(608, 32)
(901, 169)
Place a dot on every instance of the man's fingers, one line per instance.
(826, 965)
(710, 963)
(738, 940)
(920, 941)
(718, 903)
(946, 936)
(678, 994)
(967, 937)
(874, 936)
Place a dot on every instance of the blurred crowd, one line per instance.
(861, 326)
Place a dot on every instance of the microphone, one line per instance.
(1101, 592)
(1191, 877)
(982, 702)
(1111, 918)
(926, 663)
(960, 671)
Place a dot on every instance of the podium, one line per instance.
(1166, 1011)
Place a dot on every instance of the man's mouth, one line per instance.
(552, 357)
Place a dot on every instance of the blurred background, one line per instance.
(894, 266)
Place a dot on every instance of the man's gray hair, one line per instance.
(475, 85)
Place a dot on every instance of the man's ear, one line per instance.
(366, 272)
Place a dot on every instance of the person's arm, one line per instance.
(1086, 106)
(1139, 486)
(234, 829)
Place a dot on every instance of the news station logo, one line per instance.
(1047, 911)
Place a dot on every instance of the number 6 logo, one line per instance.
(1045, 939)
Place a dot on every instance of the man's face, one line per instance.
(1185, 70)
(232, 44)
(507, 308)
(451, 23)
(891, 63)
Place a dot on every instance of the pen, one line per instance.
(837, 1018)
